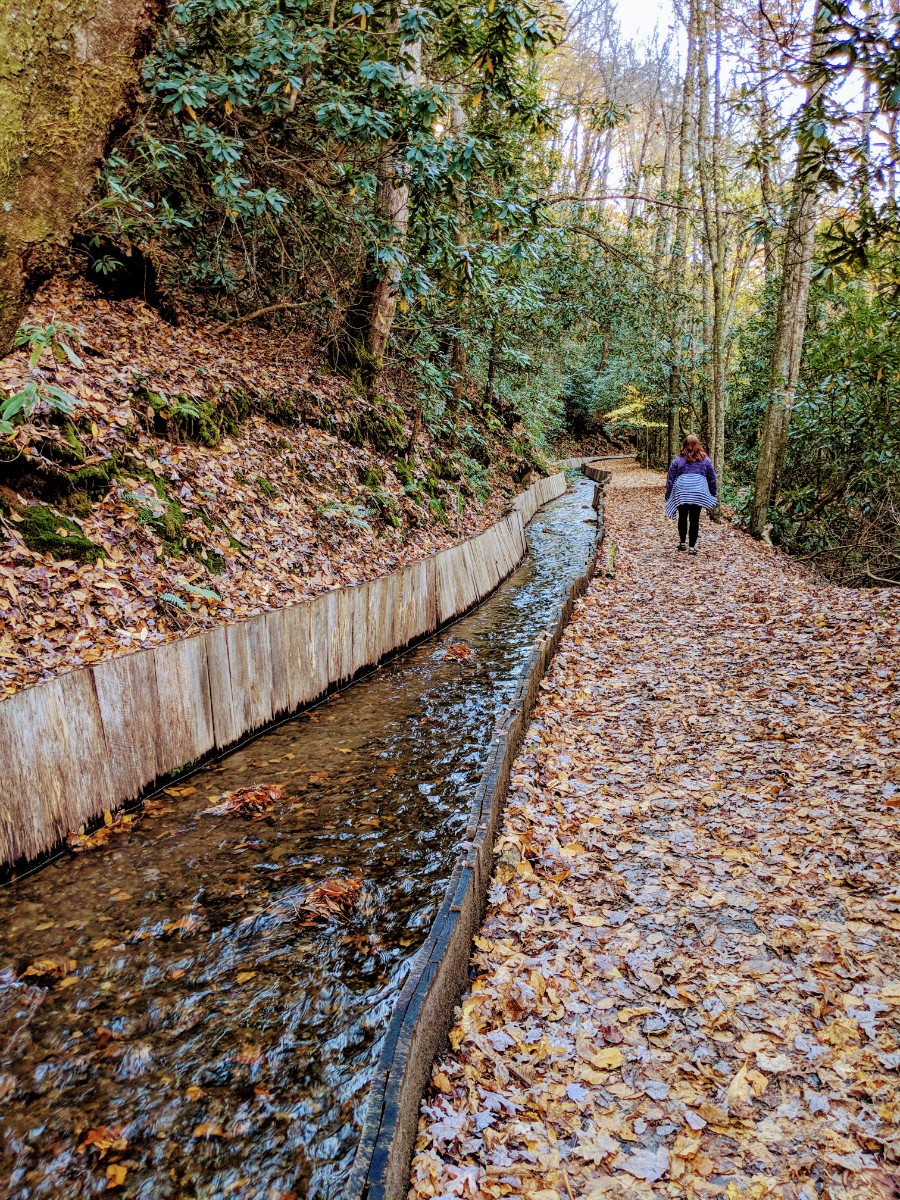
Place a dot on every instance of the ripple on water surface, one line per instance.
(175, 1019)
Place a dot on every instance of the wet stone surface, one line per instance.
(174, 1020)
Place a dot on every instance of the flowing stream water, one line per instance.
(174, 1021)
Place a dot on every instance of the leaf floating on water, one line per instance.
(333, 898)
(115, 1175)
(112, 824)
(185, 926)
(459, 652)
(252, 802)
(208, 1129)
(104, 1138)
(49, 968)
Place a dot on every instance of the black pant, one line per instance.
(688, 523)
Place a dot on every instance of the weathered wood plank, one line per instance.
(382, 610)
(56, 769)
(129, 712)
(226, 714)
(305, 663)
(184, 720)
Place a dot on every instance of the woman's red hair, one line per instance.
(692, 449)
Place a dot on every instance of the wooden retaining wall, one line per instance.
(99, 737)
(596, 470)
(424, 1010)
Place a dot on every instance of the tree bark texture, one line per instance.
(393, 206)
(68, 74)
(369, 322)
(787, 350)
(459, 350)
(678, 259)
(790, 323)
(709, 174)
(764, 135)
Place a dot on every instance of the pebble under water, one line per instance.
(174, 1021)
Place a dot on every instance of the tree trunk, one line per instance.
(493, 357)
(709, 173)
(459, 352)
(678, 260)
(369, 321)
(392, 202)
(790, 325)
(787, 349)
(68, 73)
(764, 135)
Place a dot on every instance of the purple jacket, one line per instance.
(681, 466)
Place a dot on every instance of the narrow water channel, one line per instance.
(180, 1015)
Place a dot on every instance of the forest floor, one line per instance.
(688, 980)
(204, 476)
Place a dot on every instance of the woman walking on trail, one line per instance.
(690, 486)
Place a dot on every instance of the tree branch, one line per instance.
(588, 232)
(574, 199)
(259, 312)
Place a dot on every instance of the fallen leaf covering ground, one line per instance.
(688, 980)
(282, 508)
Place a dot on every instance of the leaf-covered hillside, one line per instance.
(191, 476)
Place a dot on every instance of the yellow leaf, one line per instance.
(758, 1082)
(738, 1092)
(607, 1059)
(207, 1130)
(115, 1175)
(442, 1083)
(194, 1092)
(243, 976)
(628, 1014)
(103, 1138)
(686, 1146)
(50, 968)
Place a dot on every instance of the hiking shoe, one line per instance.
(693, 550)
(682, 545)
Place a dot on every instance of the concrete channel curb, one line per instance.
(423, 1013)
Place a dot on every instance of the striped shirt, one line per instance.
(690, 483)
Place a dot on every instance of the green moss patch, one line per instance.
(48, 532)
(187, 417)
(381, 428)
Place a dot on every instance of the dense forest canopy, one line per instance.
(505, 211)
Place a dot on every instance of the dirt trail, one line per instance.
(688, 981)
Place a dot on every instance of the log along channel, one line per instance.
(194, 1009)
